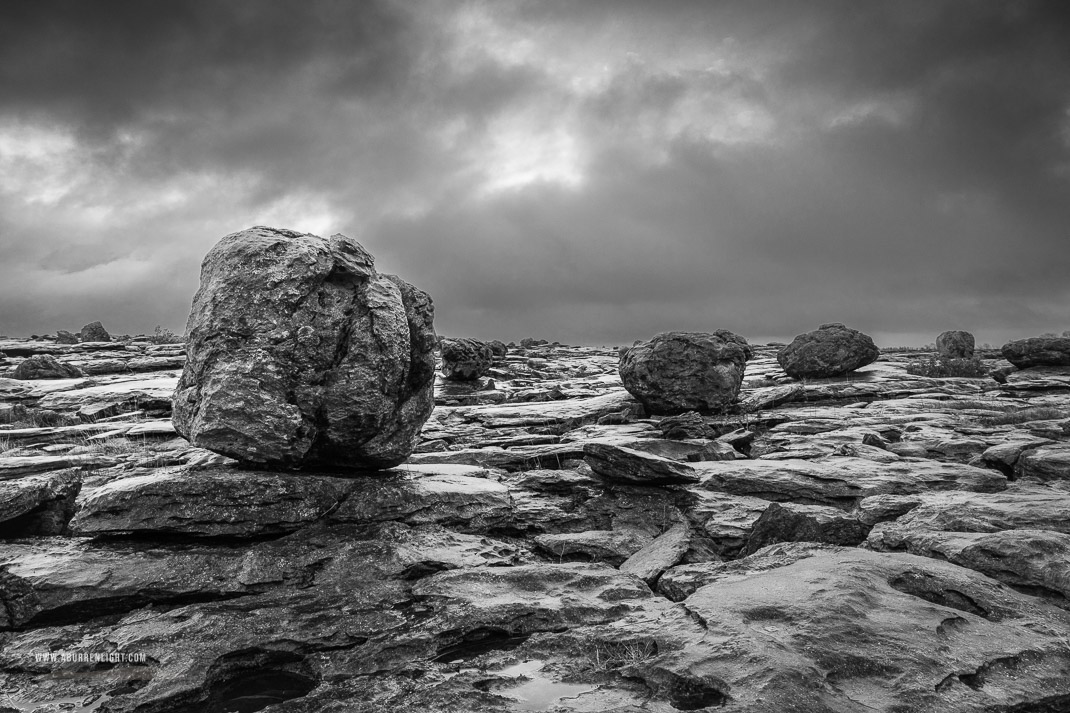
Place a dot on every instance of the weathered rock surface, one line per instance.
(955, 344)
(208, 503)
(1038, 351)
(446, 585)
(94, 332)
(686, 371)
(65, 337)
(300, 353)
(842, 482)
(465, 359)
(631, 466)
(45, 366)
(794, 627)
(830, 350)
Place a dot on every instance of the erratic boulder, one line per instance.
(94, 332)
(955, 344)
(299, 354)
(1038, 351)
(45, 366)
(465, 359)
(830, 350)
(498, 349)
(685, 371)
(65, 337)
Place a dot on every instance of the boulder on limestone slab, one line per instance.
(45, 366)
(465, 359)
(685, 371)
(955, 344)
(830, 350)
(65, 337)
(94, 332)
(301, 354)
(1038, 351)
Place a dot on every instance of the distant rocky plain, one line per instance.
(544, 538)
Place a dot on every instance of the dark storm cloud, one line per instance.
(586, 171)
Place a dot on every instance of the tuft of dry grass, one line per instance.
(1034, 413)
(610, 655)
(942, 368)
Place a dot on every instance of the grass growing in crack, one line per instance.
(1035, 413)
(612, 655)
(943, 367)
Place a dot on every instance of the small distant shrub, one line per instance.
(608, 656)
(165, 336)
(942, 367)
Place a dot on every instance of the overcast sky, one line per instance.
(590, 171)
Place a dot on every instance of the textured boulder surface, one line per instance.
(685, 371)
(830, 350)
(65, 337)
(45, 366)
(955, 344)
(1038, 351)
(94, 332)
(465, 359)
(300, 353)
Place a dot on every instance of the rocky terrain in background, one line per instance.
(876, 541)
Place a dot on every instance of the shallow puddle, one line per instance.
(538, 693)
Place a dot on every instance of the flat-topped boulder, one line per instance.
(1038, 351)
(301, 354)
(831, 350)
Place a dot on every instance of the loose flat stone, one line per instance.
(465, 503)
(610, 546)
(842, 481)
(663, 552)
(1035, 560)
(795, 522)
(214, 502)
(1045, 463)
(24, 495)
(631, 466)
(19, 466)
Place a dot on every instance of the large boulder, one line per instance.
(830, 350)
(465, 359)
(955, 344)
(94, 332)
(301, 354)
(45, 366)
(1038, 351)
(65, 337)
(685, 371)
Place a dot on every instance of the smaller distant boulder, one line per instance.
(677, 372)
(955, 344)
(1038, 351)
(45, 366)
(65, 337)
(465, 359)
(831, 350)
(94, 332)
(498, 349)
(528, 342)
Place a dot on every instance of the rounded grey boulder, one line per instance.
(955, 344)
(465, 359)
(94, 332)
(45, 366)
(300, 354)
(1038, 351)
(685, 371)
(830, 350)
